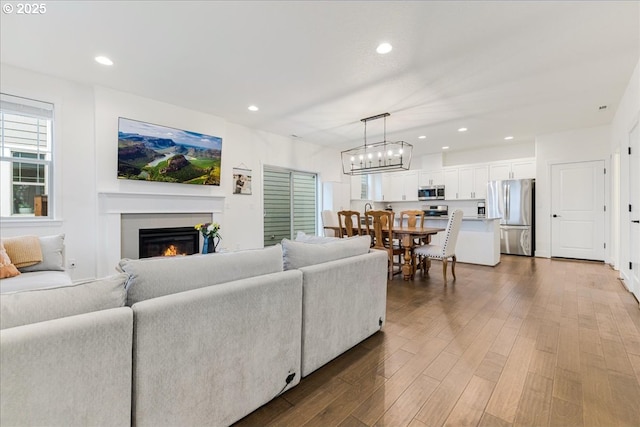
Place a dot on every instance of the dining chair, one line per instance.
(414, 218)
(329, 219)
(349, 222)
(444, 252)
(379, 226)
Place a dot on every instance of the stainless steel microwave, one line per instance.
(431, 192)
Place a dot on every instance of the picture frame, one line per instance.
(241, 181)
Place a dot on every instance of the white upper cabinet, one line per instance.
(400, 186)
(515, 169)
(450, 184)
(466, 183)
(435, 177)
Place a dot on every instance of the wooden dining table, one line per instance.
(406, 236)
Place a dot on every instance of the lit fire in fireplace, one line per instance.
(172, 250)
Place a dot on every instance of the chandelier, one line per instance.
(384, 156)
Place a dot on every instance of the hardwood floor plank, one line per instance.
(339, 410)
(372, 409)
(489, 420)
(568, 356)
(565, 413)
(470, 407)
(625, 393)
(408, 404)
(534, 408)
(506, 396)
(440, 367)
(568, 386)
(491, 366)
(616, 358)
(597, 402)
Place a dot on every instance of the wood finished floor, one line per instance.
(534, 342)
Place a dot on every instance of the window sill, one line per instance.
(11, 222)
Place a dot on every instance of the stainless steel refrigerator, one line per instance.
(513, 201)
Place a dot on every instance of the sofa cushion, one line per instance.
(7, 269)
(35, 280)
(301, 254)
(23, 250)
(308, 238)
(154, 277)
(52, 259)
(24, 307)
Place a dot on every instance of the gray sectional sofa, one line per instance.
(200, 340)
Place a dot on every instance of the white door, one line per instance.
(634, 215)
(577, 210)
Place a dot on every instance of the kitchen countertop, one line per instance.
(464, 218)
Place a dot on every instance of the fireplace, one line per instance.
(168, 241)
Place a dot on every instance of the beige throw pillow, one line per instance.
(23, 250)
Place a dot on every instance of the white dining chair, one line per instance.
(444, 252)
(329, 219)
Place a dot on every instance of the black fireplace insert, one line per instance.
(173, 241)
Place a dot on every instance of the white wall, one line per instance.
(566, 147)
(489, 154)
(86, 167)
(627, 116)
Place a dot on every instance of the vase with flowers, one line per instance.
(211, 234)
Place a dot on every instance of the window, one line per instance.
(26, 157)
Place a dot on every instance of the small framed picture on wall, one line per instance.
(241, 181)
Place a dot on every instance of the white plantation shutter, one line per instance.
(290, 204)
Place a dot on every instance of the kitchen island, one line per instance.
(478, 241)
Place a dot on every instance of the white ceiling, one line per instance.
(498, 68)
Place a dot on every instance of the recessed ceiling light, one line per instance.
(103, 60)
(384, 48)
(422, 137)
(462, 130)
(446, 147)
(508, 138)
(253, 108)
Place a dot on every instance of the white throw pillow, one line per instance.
(52, 259)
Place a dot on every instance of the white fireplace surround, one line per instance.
(177, 207)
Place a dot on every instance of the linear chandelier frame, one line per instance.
(383, 156)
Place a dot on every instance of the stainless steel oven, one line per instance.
(431, 192)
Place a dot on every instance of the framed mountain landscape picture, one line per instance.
(149, 152)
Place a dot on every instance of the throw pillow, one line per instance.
(23, 250)
(25, 307)
(301, 254)
(52, 259)
(7, 269)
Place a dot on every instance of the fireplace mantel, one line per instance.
(112, 205)
(119, 203)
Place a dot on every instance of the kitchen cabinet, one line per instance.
(400, 187)
(515, 169)
(359, 187)
(450, 184)
(466, 183)
(434, 177)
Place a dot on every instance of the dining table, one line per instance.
(407, 237)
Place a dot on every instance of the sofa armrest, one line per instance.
(212, 355)
(70, 371)
(343, 303)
